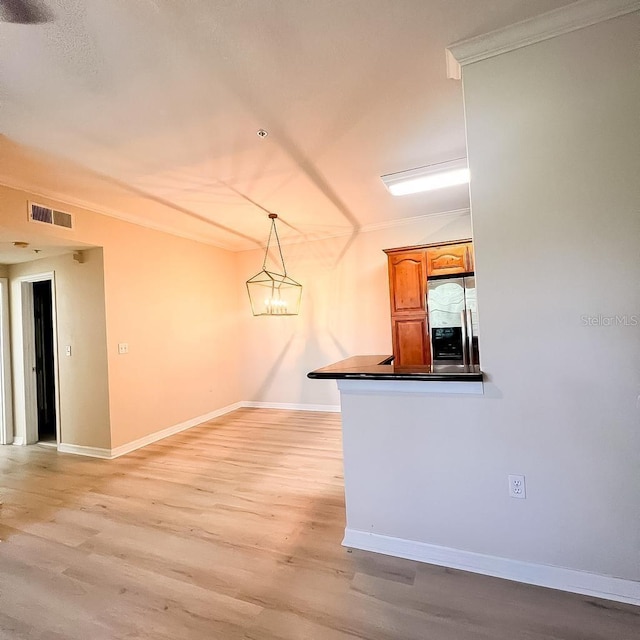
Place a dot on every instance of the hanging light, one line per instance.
(270, 293)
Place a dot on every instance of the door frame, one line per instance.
(6, 414)
(26, 398)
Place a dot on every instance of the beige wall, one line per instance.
(83, 377)
(345, 309)
(174, 301)
(4, 271)
(193, 346)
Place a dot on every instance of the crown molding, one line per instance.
(572, 17)
(400, 222)
(79, 203)
(454, 70)
(374, 226)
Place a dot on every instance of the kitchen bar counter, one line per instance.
(398, 425)
(382, 368)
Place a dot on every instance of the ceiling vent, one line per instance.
(46, 215)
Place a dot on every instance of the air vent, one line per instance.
(62, 219)
(41, 214)
(46, 215)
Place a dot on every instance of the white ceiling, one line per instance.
(149, 109)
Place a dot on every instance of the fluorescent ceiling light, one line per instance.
(435, 176)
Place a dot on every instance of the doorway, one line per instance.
(36, 407)
(6, 410)
(44, 361)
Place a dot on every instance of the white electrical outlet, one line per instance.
(123, 347)
(517, 487)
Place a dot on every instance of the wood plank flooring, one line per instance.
(230, 531)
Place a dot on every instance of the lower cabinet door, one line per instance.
(411, 342)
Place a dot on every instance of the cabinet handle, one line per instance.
(465, 353)
(470, 336)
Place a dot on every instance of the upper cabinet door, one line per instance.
(407, 282)
(451, 259)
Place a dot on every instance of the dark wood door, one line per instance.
(45, 378)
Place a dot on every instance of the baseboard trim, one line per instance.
(170, 431)
(79, 450)
(110, 454)
(582, 582)
(330, 408)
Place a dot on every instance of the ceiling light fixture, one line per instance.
(271, 293)
(435, 176)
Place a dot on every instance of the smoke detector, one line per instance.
(262, 133)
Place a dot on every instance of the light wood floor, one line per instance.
(232, 530)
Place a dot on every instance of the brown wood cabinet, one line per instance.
(407, 282)
(409, 269)
(407, 292)
(450, 259)
(411, 341)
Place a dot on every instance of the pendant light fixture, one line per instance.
(271, 293)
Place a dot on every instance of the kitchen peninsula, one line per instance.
(398, 423)
(399, 411)
(383, 368)
(382, 374)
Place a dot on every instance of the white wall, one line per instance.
(553, 135)
(345, 309)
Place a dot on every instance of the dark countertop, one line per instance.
(381, 368)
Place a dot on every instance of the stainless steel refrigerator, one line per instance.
(453, 320)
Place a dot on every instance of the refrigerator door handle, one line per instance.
(465, 353)
(470, 335)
